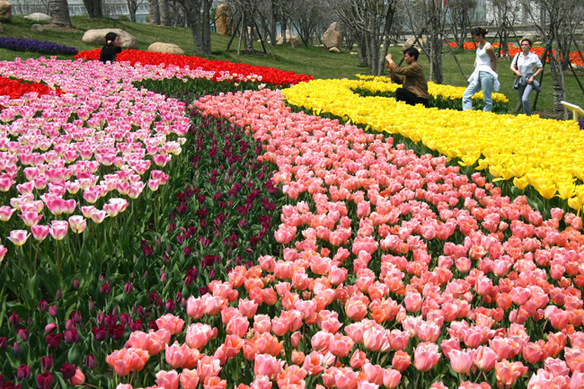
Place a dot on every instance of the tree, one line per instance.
(461, 17)
(428, 21)
(94, 8)
(506, 15)
(198, 16)
(244, 15)
(132, 8)
(305, 17)
(557, 21)
(371, 22)
(153, 12)
(59, 12)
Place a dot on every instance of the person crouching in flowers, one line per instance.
(415, 86)
(484, 76)
(111, 48)
(522, 66)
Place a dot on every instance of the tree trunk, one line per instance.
(132, 8)
(194, 18)
(94, 8)
(153, 12)
(273, 24)
(59, 11)
(206, 26)
(163, 11)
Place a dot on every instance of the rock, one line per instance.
(421, 44)
(334, 50)
(222, 19)
(333, 38)
(38, 17)
(53, 27)
(167, 48)
(97, 37)
(5, 11)
(290, 39)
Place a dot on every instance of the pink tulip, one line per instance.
(77, 223)
(461, 361)
(40, 232)
(18, 237)
(167, 379)
(199, 334)
(267, 365)
(189, 379)
(58, 229)
(262, 323)
(426, 356)
(171, 323)
(391, 378)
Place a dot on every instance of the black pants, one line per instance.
(408, 97)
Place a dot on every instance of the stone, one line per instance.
(38, 17)
(36, 27)
(167, 48)
(422, 43)
(290, 39)
(333, 37)
(5, 11)
(334, 50)
(222, 19)
(97, 37)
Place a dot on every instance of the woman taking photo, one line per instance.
(523, 66)
(484, 76)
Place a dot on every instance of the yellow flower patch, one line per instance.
(544, 153)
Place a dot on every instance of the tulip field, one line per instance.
(174, 222)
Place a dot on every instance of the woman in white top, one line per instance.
(484, 76)
(523, 66)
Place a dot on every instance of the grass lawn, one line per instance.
(308, 60)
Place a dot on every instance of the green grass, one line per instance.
(308, 60)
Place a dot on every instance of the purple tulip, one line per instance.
(90, 361)
(44, 380)
(71, 336)
(23, 372)
(68, 370)
(23, 334)
(47, 362)
(106, 289)
(99, 333)
(54, 340)
(128, 287)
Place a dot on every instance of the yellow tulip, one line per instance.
(520, 183)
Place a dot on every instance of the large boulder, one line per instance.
(167, 48)
(5, 11)
(333, 38)
(290, 39)
(97, 37)
(222, 19)
(38, 17)
(422, 43)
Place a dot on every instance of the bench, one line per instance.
(576, 110)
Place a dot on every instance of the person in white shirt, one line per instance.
(484, 76)
(523, 66)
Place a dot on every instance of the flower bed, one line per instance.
(395, 270)
(85, 291)
(18, 88)
(441, 96)
(575, 57)
(510, 147)
(221, 70)
(23, 44)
